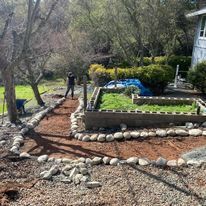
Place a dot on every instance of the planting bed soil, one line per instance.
(52, 137)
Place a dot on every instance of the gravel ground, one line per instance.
(121, 185)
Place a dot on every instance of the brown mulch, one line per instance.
(52, 137)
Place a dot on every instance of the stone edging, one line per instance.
(32, 123)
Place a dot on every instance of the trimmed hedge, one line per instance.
(197, 76)
(156, 77)
(173, 61)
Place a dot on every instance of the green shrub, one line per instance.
(197, 76)
(156, 77)
(131, 90)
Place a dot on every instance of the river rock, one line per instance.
(144, 134)
(109, 138)
(101, 138)
(195, 132)
(204, 124)
(46, 175)
(88, 161)
(2, 142)
(127, 135)
(144, 161)
(135, 134)
(152, 134)
(181, 132)
(94, 137)
(171, 132)
(86, 138)
(114, 161)
(172, 163)
(161, 162)
(203, 133)
(93, 184)
(54, 170)
(42, 158)
(123, 127)
(181, 162)
(25, 155)
(189, 125)
(118, 136)
(106, 160)
(132, 160)
(77, 179)
(73, 172)
(96, 160)
(83, 170)
(161, 133)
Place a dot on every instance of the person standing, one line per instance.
(70, 84)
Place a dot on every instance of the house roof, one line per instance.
(197, 13)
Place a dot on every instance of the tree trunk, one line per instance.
(8, 79)
(37, 95)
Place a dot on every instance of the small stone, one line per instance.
(66, 180)
(196, 125)
(94, 137)
(85, 179)
(81, 159)
(181, 132)
(96, 160)
(161, 133)
(106, 160)
(118, 136)
(132, 160)
(47, 175)
(203, 133)
(203, 124)
(86, 138)
(144, 134)
(59, 160)
(77, 178)
(109, 138)
(152, 134)
(54, 170)
(161, 162)
(189, 125)
(24, 131)
(171, 132)
(195, 132)
(73, 172)
(194, 162)
(15, 150)
(101, 138)
(181, 162)
(2, 142)
(123, 127)
(80, 137)
(25, 155)
(67, 168)
(172, 163)
(127, 135)
(83, 171)
(144, 162)
(93, 184)
(42, 158)
(66, 160)
(88, 161)
(81, 165)
(114, 161)
(135, 134)
(51, 159)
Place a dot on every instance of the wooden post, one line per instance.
(115, 72)
(85, 91)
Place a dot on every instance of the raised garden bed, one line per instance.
(165, 111)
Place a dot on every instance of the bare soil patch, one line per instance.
(52, 137)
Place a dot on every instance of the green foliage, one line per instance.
(156, 77)
(131, 90)
(197, 76)
(122, 102)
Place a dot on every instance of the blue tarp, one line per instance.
(130, 82)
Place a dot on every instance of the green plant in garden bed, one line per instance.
(122, 102)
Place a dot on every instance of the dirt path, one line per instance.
(51, 137)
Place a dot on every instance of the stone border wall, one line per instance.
(113, 118)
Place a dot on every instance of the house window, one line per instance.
(203, 27)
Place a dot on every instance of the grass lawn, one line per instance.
(122, 102)
(25, 91)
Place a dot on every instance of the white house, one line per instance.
(199, 48)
